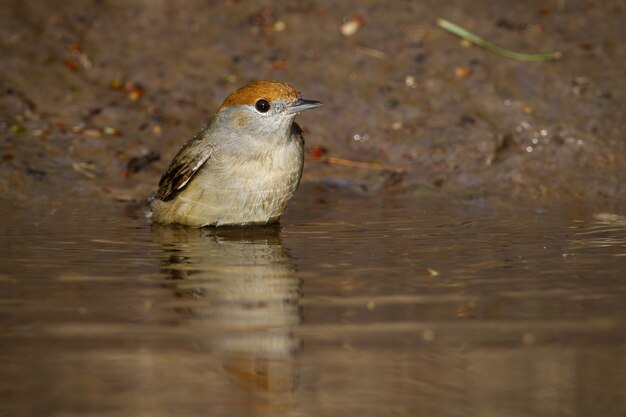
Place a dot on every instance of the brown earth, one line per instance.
(93, 93)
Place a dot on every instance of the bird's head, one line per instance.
(264, 106)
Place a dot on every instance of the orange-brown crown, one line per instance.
(265, 89)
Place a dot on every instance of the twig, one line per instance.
(85, 168)
(462, 33)
(374, 53)
(358, 164)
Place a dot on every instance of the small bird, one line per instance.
(243, 168)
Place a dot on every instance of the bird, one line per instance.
(243, 167)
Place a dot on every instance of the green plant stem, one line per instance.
(477, 40)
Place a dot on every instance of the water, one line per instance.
(353, 306)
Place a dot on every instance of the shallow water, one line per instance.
(353, 306)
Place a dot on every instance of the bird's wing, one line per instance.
(191, 157)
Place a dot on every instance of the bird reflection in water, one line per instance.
(240, 287)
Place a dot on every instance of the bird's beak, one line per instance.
(302, 105)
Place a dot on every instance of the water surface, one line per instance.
(352, 306)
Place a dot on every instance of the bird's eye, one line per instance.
(262, 106)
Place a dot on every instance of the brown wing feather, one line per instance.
(182, 169)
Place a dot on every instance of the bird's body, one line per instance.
(241, 169)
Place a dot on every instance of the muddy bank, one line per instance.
(96, 97)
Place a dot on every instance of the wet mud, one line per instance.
(91, 93)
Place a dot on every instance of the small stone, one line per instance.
(352, 25)
(409, 81)
(433, 272)
(463, 72)
(135, 94)
(112, 131)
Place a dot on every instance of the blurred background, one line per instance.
(97, 96)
